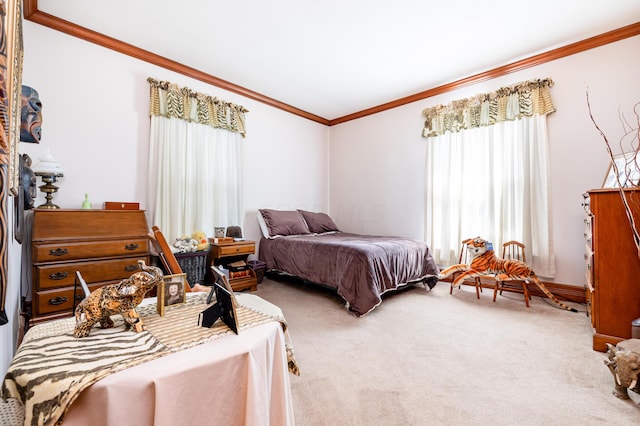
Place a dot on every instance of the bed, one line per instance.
(361, 268)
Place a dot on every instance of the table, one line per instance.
(220, 378)
(236, 380)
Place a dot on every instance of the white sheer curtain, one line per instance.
(491, 181)
(195, 176)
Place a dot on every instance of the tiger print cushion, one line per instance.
(52, 367)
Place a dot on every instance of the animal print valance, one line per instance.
(169, 100)
(507, 103)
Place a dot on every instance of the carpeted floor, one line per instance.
(431, 358)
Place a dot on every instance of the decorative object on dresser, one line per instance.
(234, 232)
(613, 266)
(232, 255)
(119, 205)
(103, 245)
(86, 204)
(49, 170)
(218, 231)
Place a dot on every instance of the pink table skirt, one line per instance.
(236, 380)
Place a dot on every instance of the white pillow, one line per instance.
(263, 226)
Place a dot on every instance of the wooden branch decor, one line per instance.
(624, 195)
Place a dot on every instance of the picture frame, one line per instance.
(628, 171)
(12, 75)
(223, 308)
(218, 231)
(221, 279)
(171, 292)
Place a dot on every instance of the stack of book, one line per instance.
(239, 269)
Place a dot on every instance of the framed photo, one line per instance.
(628, 171)
(171, 291)
(221, 279)
(218, 232)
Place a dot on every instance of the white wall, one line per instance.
(96, 125)
(377, 162)
(95, 122)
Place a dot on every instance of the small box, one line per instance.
(117, 205)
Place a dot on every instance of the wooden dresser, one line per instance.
(613, 266)
(104, 245)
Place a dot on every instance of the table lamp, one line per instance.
(49, 171)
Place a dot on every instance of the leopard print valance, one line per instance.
(507, 103)
(169, 100)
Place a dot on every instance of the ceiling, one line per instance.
(338, 57)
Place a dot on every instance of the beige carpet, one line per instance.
(431, 358)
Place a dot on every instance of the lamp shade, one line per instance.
(47, 165)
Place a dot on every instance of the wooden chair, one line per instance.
(513, 250)
(166, 255)
(466, 258)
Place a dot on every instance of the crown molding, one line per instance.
(32, 14)
(551, 55)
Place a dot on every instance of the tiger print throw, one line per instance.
(114, 299)
(486, 262)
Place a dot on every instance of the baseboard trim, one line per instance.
(566, 292)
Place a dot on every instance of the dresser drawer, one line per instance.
(63, 274)
(233, 249)
(59, 299)
(61, 251)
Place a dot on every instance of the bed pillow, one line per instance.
(319, 223)
(284, 222)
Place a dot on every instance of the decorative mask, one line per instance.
(30, 116)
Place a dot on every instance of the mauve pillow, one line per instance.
(318, 223)
(284, 222)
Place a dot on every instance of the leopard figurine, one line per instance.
(114, 299)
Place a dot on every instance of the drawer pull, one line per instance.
(131, 268)
(58, 300)
(132, 246)
(58, 276)
(58, 252)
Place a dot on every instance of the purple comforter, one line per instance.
(360, 267)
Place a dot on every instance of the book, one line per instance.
(240, 274)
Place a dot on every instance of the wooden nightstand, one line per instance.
(224, 253)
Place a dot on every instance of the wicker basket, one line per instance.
(194, 265)
(259, 269)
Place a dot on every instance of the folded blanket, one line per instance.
(52, 367)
